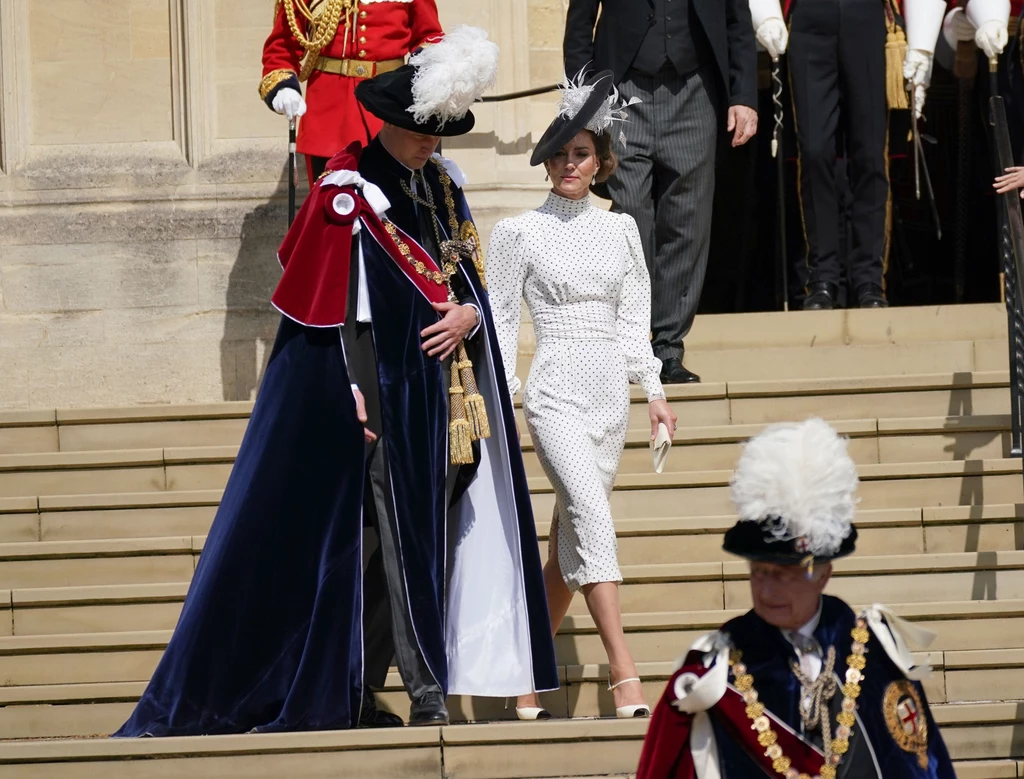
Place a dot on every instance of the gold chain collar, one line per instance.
(845, 719)
(438, 277)
(455, 249)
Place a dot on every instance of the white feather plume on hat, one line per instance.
(798, 480)
(452, 74)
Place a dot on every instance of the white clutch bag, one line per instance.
(659, 447)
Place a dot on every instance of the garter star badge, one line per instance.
(905, 718)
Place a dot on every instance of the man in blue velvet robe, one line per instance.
(281, 629)
(406, 384)
(801, 686)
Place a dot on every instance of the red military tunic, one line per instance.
(386, 31)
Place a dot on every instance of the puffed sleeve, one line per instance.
(505, 275)
(634, 318)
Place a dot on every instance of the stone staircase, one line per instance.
(103, 514)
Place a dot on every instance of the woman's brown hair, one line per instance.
(609, 162)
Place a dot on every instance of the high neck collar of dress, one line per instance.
(563, 206)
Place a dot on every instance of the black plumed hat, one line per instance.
(389, 98)
(433, 92)
(794, 491)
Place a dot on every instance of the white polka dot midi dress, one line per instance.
(582, 272)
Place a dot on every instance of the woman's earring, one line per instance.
(546, 177)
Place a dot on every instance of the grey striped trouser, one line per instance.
(666, 182)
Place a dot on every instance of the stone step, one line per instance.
(133, 427)
(83, 710)
(709, 404)
(646, 587)
(801, 362)
(207, 468)
(936, 395)
(872, 441)
(139, 584)
(109, 515)
(108, 561)
(657, 540)
(852, 327)
(889, 485)
(108, 657)
(880, 531)
(842, 327)
(594, 747)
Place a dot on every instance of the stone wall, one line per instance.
(143, 189)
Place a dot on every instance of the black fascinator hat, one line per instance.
(587, 104)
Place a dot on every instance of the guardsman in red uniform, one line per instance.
(336, 44)
(848, 60)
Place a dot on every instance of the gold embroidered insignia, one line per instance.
(905, 718)
(469, 233)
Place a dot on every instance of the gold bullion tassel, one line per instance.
(895, 54)
(460, 431)
(476, 410)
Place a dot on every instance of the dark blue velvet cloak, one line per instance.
(768, 657)
(270, 634)
(414, 400)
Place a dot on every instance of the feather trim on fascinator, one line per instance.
(575, 94)
(586, 104)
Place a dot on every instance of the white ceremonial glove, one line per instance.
(917, 69)
(991, 38)
(991, 19)
(769, 26)
(957, 28)
(774, 37)
(290, 103)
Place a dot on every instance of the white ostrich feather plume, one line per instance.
(575, 95)
(452, 74)
(799, 480)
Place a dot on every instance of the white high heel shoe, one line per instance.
(633, 710)
(532, 713)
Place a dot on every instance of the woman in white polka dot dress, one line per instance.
(582, 272)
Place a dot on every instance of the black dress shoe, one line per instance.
(673, 372)
(428, 709)
(372, 717)
(821, 296)
(871, 296)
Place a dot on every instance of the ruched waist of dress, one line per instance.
(576, 325)
(575, 335)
